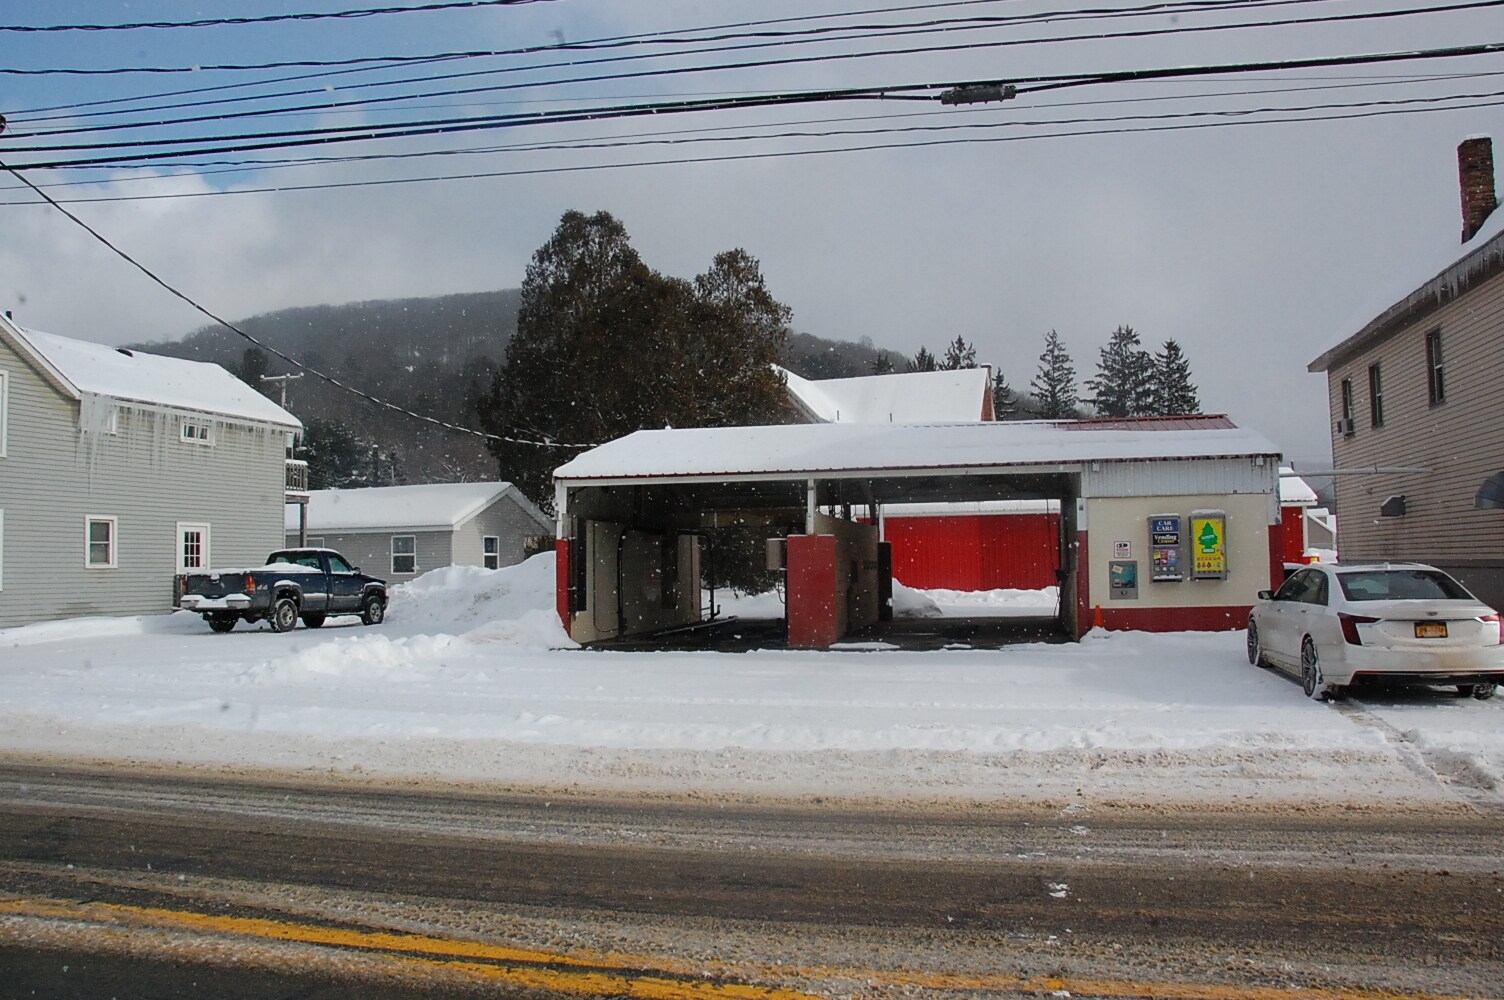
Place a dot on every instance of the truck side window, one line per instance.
(338, 565)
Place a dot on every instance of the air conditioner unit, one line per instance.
(1345, 426)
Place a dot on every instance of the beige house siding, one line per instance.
(1460, 441)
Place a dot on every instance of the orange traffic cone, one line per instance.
(1096, 617)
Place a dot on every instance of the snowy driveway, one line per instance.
(463, 684)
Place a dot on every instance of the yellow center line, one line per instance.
(581, 974)
(604, 975)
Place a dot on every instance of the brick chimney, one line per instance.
(1475, 171)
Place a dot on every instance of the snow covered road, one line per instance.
(469, 681)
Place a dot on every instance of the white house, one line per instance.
(120, 469)
(400, 531)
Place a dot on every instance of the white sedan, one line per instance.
(1400, 623)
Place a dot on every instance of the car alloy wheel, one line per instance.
(1255, 646)
(1483, 692)
(1310, 671)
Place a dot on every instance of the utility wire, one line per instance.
(1224, 122)
(482, 53)
(644, 36)
(210, 22)
(721, 133)
(329, 379)
(326, 105)
(908, 91)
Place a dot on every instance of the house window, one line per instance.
(196, 432)
(404, 553)
(193, 547)
(1436, 375)
(315, 542)
(1345, 420)
(492, 546)
(1375, 396)
(4, 410)
(99, 542)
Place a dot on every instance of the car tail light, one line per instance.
(1493, 618)
(1350, 625)
(249, 587)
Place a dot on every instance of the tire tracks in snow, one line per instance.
(1458, 772)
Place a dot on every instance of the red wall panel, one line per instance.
(1294, 521)
(975, 552)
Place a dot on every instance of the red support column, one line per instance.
(812, 591)
(561, 581)
(1276, 555)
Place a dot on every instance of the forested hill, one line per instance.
(430, 355)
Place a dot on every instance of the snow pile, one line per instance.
(911, 603)
(467, 681)
(466, 596)
(1000, 603)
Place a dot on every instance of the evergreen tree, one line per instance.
(1174, 395)
(883, 364)
(924, 361)
(1005, 402)
(1055, 384)
(1125, 377)
(959, 355)
(605, 346)
(254, 363)
(336, 458)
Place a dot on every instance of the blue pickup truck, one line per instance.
(310, 584)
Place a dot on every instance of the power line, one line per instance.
(1364, 111)
(485, 53)
(329, 379)
(209, 22)
(908, 91)
(949, 26)
(208, 168)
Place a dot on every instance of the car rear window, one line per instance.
(1401, 585)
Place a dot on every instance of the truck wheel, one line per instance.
(314, 619)
(284, 615)
(373, 609)
(221, 622)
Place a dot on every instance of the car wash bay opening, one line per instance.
(1166, 524)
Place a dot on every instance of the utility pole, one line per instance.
(282, 380)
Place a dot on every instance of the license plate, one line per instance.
(1430, 630)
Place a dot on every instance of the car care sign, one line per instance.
(1208, 545)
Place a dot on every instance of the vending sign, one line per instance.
(1164, 548)
(1209, 545)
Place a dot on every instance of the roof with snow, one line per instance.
(82, 368)
(839, 450)
(963, 394)
(1294, 491)
(1446, 277)
(430, 507)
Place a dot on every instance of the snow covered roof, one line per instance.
(1294, 491)
(962, 508)
(88, 369)
(899, 398)
(835, 450)
(1445, 276)
(430, 507)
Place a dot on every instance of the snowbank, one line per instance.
(472, 679)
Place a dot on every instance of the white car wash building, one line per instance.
(1166, 523)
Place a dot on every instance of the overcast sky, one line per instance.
(1256, 246)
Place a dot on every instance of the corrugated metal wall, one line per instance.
(975, 552)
